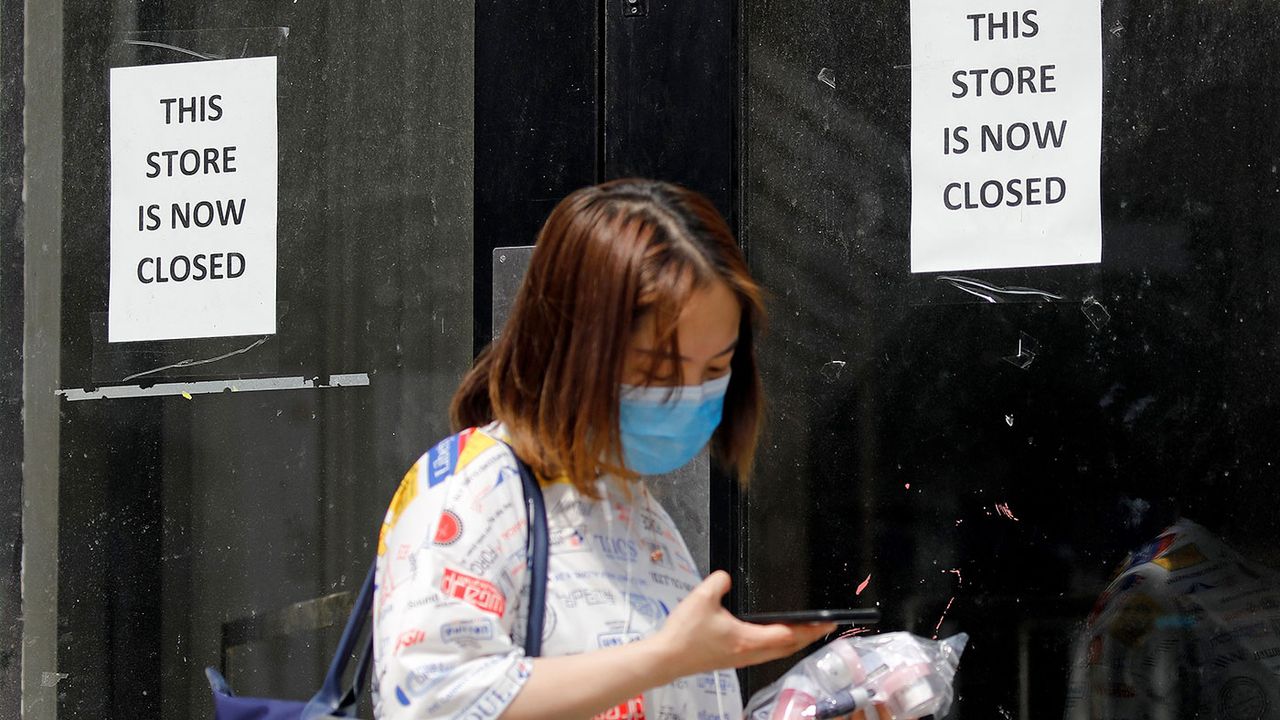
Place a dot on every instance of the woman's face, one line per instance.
(707, 331)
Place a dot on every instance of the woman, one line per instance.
(628, 350)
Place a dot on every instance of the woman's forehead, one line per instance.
(706, 328)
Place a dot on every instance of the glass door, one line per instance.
(1079, 478)
(218, 496)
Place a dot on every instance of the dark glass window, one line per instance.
(978, 491)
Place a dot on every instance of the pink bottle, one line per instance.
(911, 691)
(839, 668)
(796, 699)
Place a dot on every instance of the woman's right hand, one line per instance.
(698, 636)
(701, 636)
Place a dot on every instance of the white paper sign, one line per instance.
(1006, 134)
(193, 200)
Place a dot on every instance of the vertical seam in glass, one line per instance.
(42, 337)
(602, 49)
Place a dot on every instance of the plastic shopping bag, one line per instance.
(898, 675)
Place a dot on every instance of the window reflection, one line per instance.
(1189, 628)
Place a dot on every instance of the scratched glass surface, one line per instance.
(226, 521)
(1001, 453)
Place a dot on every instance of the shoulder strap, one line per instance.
(331, 700)
(538, 545)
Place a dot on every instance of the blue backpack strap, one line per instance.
(538, 547)
(331, 700)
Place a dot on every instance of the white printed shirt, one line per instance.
(452, 589)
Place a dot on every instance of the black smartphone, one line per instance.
(847, 616)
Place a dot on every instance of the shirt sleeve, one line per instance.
(451, 585)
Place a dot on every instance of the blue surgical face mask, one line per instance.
(665, 427)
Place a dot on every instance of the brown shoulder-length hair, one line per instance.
(607, 256)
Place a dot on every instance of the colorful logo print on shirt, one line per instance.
(442, 459)
(479, 593)
(1184, 557)
(467, 631)
(449, 529)
(404, 497)
(632, 709)
(418, 682)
